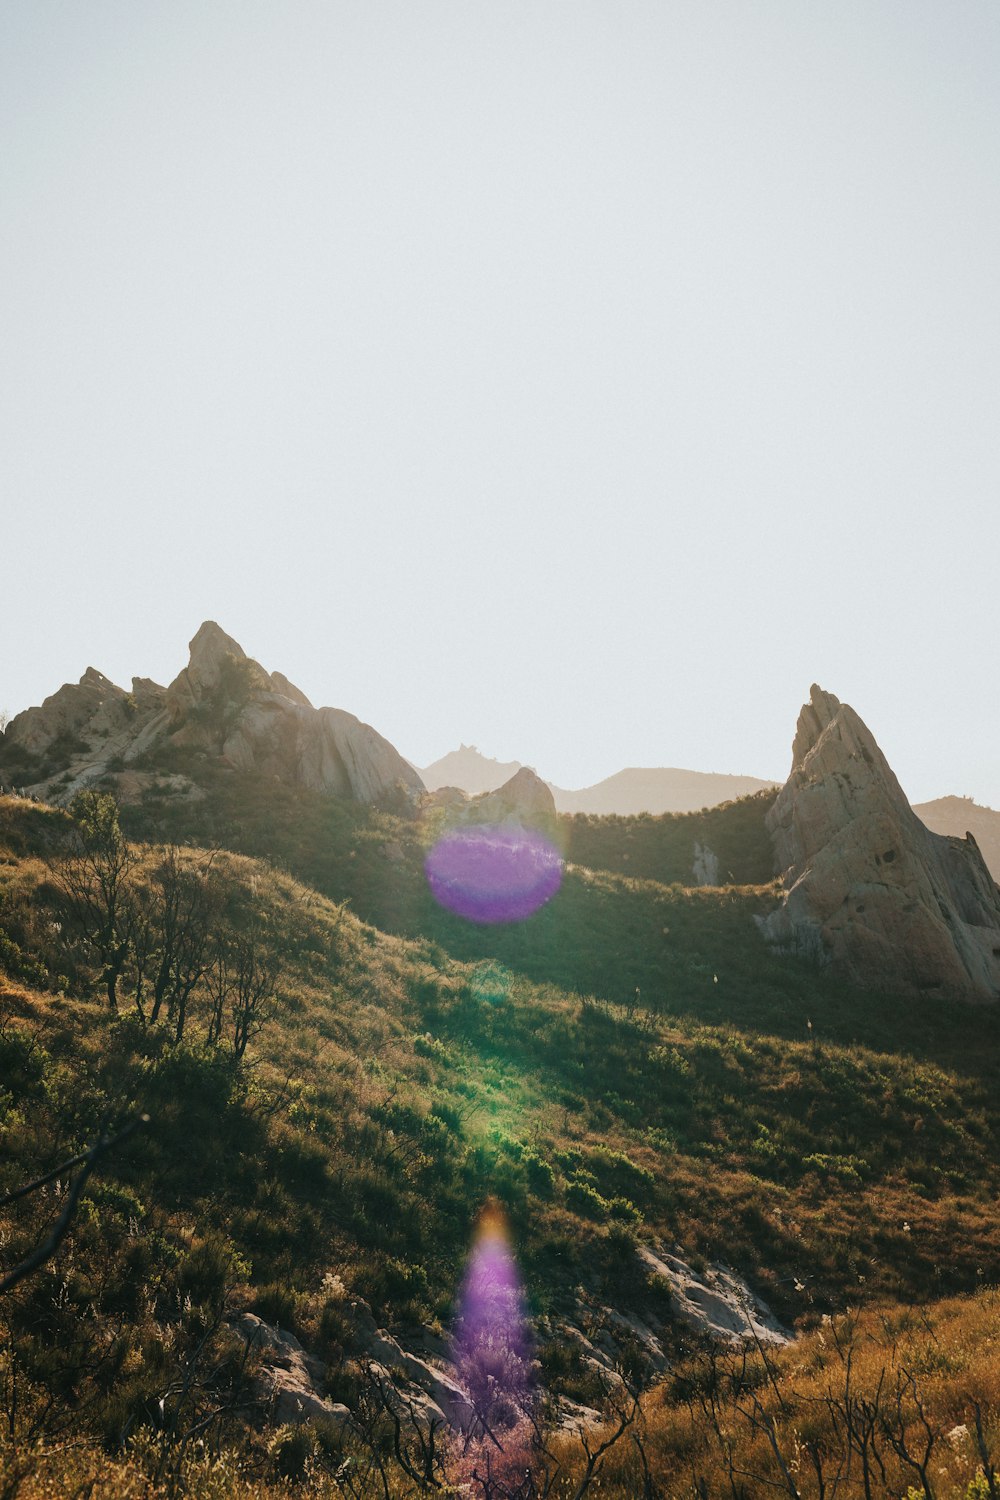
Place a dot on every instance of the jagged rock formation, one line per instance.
(93, 704)
(469, 770)
(868, 887)
(224, 704)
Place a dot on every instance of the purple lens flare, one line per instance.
(493, 874)
(492, 1343)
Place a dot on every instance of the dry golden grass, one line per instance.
(856, 1394)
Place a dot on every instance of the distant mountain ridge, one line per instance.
(637, 789)
(657, 789)
(470, 770)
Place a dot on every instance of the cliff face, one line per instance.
(224, 704)
(867, 886)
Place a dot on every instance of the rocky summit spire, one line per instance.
(209, 649)
(867, 886)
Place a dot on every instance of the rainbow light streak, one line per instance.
(492, 1343)
(490, 874)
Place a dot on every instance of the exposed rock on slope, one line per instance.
(94, 705)
(867, 885)
(224, 704)
(718, 1303)
(525, 798)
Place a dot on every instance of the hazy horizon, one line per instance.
(582, 384)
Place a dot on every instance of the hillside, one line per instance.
(667, 1132)
(813, 1145)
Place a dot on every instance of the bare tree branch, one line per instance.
(50, 1245)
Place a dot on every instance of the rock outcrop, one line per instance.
(717, 1303)
(290, 1380)
(94, 704)
(867, 886)
(210, 652)
(705, 869)
(222, 704)
(524, 801)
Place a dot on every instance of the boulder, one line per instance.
(290, 1380)
(867, 886)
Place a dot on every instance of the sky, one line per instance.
(581, 381)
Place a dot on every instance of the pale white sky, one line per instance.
(580, 380)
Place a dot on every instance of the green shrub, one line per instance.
(209, 1269)
(541, 1177)
(584, 1198)
(277, 1304)
(292, 1449)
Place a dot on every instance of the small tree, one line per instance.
(96, 876)
(184, 908)
(242, 984)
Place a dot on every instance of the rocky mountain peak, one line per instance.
(211, 643)
(209, 649)
(814, 717)
(867, 886)
(224, 708)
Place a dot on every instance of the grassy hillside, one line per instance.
(623, 921)
(828, 1144)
